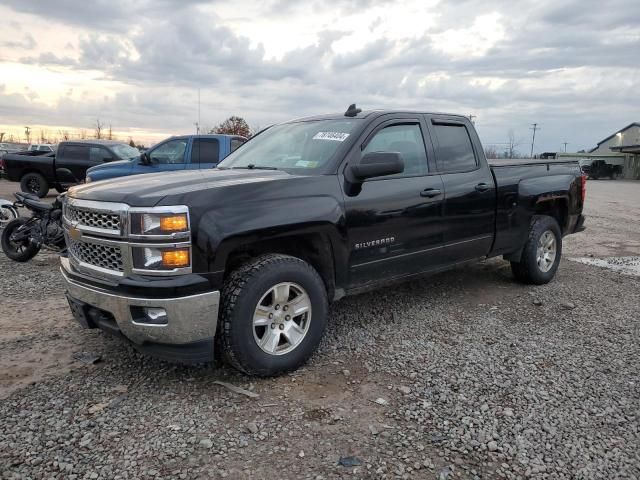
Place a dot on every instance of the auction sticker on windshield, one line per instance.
(334, 136)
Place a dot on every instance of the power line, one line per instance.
(535, 128)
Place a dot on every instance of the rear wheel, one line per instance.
(34, 183)
(541, 254)
(273, 315)
(19, 250)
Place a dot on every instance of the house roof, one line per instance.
(634, 124)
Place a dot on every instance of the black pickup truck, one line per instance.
(38, 171)
(244, 259)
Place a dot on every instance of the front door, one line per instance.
(394, 224)
(168, 156)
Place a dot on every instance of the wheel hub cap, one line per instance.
(547, 250)
(281, 319)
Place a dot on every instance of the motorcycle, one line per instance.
(8, 212)
(23, 237)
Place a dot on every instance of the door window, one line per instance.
(75, 152)
(405, 139)
(169, 152)
(99, 154)
(235, 143)
(205, 150)
(455, 152)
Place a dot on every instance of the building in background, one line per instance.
(623, 142)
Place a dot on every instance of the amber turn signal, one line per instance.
(176, 258)
(174, 223)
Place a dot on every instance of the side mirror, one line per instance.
(376, 164)
(145, 159)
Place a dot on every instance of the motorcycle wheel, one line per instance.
(7, 213)
(17, 251)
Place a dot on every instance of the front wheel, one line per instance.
(16, 246)
(273, 315)
(541, 254)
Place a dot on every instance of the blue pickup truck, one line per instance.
(188, 152)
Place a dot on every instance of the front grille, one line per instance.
(103, 256)
(92, 218)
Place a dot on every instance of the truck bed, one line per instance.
(522, 183)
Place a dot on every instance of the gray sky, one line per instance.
(570, 66)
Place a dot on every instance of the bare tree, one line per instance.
(233, 126)
(109, 133)
(512, 144)
(98, 129)
(64, 134)
(82, 134)
(1, 136)
(27, 133)
(491, 152)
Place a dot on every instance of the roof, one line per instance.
(634, 124)
(95, 141)
(372, 113)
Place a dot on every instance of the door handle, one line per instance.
(483, 187)
(430, 192)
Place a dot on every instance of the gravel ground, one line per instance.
(462, 375)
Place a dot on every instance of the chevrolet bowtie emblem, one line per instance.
(74, 232)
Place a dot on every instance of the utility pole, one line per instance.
(565, 146)
(27, 134)
(535, 128)
(472, 118)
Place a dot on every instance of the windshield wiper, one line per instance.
(253, 166)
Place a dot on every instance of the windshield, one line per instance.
(304, 145)
(125, 151)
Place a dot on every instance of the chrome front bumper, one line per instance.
(189, 319)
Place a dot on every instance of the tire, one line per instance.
(7, 213)
(253, 285)
(17, 252)
(528, 269)
(34, 183)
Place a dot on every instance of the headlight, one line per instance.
(161, 258)
(168, 223)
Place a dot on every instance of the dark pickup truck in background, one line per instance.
(244, 259)
(38, 171)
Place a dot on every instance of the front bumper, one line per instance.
(185, 336)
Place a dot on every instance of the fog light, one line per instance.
(156, 315)
(176, 258)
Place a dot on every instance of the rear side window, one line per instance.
(235, 143)
(99, 154)
(205, 150)
(455, 152)
(75, 152)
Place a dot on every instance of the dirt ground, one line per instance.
(331, 404)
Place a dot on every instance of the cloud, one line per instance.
(571, 67)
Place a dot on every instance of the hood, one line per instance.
(149, 189)
(118, 163)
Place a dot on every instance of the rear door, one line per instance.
(205, 153)
(470, 198)
(72, 161)
(394, 223)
